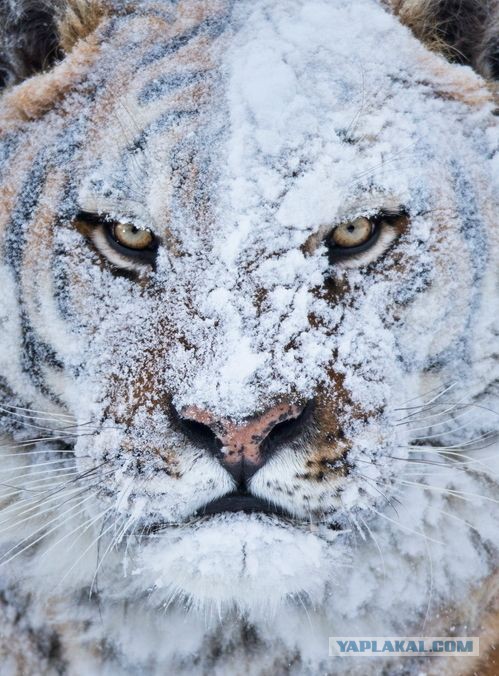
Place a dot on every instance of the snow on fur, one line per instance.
(241, 145)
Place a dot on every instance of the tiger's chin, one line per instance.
(252, 563)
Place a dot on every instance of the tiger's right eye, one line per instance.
(122, 242)
(128, 235)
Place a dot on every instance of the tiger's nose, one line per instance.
(243, 447)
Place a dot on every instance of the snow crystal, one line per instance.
(242, 144)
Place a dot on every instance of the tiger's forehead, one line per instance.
(236, 138)
(263, 117)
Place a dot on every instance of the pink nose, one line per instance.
(244, 447)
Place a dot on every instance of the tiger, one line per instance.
(249, 337)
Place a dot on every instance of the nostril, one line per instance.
(288, 430)
(200, 434)
(247, 443)
(197, 432)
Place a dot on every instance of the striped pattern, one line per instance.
(140, 123)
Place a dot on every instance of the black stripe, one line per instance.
(474, 233)
(36, 353)
(472, 227)
(166, 84)
(8, 145)
(161, 124)
(212, 27)
(15, 240)
(66, 215)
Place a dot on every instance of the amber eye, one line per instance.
(133, 245)
(352, 234)
(353, 237)
(131, 237)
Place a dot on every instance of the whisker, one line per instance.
(25, 423)
(447, 421)
(394, 157)
(448, 408)
(445, 432)
(91, 545)
(443, 453)
(457, 518)
(22, 454)
(38, 514)
(453, 406)
(452, 463)
(87, 474)
(5, 559)
(101, 561)
(464, 495)
(430, 591)
(34, 410)
(375, 485)
(424, 394)
(35, 482)
(465, 444)
(366, 526)
(31, 442)
(27, 468)
(58, 486)
(36, 503)
(406, 528)
(27, 416)
(85, 526)
(440, 394)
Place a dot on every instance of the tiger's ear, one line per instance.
(28, 38)
(465, 31)
(35, 34)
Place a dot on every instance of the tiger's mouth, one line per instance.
(239, 501)
(242, 501)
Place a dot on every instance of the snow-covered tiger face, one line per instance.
(263, 246)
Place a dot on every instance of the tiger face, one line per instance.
(247, 252)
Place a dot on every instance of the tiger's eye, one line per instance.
(352, 234)
(128, 235)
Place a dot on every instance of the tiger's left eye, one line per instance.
(352, 237)
(131, 237)
(352, 234)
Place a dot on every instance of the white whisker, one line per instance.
(22, 454)
(406, 528)
(445, 432)
(83, 527)
(36, 503)
(34, 410)
(112, 543)
(366, 526)
(27, 468)
(38, 513)
(447, 421)
(29, 484)
(4, 561)
(464, 495)
(90, 546)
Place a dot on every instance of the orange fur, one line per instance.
(79, 19)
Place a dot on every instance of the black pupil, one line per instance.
(351, 228)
